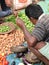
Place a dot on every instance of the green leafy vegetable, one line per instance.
(4, 28)
(26, 20)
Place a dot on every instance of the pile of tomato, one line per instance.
(3, 60)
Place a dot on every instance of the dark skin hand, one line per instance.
(39, 45)
(38, 54)
(15, 13)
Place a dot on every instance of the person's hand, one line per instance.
(20, 23)
(40, 45)
(15, 13)
(8, 3)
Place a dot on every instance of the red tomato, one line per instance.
(0, 57)
(5, 62)
(3, 58)
(22, 1)
(1, 63)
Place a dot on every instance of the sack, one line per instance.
(19, 4)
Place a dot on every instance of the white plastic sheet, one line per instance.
(18, 4)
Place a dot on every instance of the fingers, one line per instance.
(15, 13)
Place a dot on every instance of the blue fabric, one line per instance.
(5, 13)
(25, 44)
(17, 61)
(3, 5)
(12, 57)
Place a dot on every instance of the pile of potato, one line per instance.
(12, 39)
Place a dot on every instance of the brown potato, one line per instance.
(12, 39)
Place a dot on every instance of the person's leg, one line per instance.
(6, 11)
(3, 5)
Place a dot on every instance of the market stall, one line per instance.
(13, 47)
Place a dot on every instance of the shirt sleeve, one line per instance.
(39, 31)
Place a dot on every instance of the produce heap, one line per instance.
(16, 37)
(12, 39)
(22, 15)
(3, 60)
(4, 28)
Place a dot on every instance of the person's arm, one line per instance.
(38, 34)
(29, 38)
(39, 55)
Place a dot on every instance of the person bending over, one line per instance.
(39, 39)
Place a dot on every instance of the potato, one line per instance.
(12, 39)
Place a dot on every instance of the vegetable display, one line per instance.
(22, 15)
(26, 20)
(3, 60)
(4, 28)
(16, 37)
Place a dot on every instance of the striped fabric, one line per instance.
(41, 30)
(45, 50)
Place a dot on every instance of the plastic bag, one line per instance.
(19, 4)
